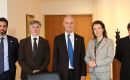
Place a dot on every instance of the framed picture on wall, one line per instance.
(28, 19)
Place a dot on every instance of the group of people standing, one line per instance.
(69, 59)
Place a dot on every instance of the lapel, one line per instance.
(64, 44)
(75, 42)
(101, 45)
(29, 46)
(127, 39)
(126, 42)
(9, 45)
(39, 45)
(92, 47)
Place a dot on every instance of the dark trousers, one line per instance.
(71, 75)
(6, 76)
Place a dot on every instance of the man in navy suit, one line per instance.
(69, 52)
(123, 55)
(8, 52)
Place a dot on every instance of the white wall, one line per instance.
(67, 7)
(122, 15)
(17, 10)
(3, 8)
(114, 13)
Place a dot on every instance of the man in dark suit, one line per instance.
(69, 52)
(8, 52)
(123, 55)
(34, 52)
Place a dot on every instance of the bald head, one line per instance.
(68, 23)
(68, 17)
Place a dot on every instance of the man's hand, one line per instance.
(83, 78)
(35, 71)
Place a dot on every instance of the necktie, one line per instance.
(70, 50)
(1, 56)
(34, 46)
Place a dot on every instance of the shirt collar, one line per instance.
(34, 37)
(71, 34)
(5, 36)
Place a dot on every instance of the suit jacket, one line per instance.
(28, 61)
(61, 59)
(12, 55)
(123, 55)
(104, 55)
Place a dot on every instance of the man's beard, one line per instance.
(2, 32)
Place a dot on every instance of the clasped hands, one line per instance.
(92, 63)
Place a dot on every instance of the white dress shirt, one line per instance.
(72, 41)
(6, 58)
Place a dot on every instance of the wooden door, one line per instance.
(53, 27)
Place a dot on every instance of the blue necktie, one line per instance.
(70, 51)
(1, 56)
